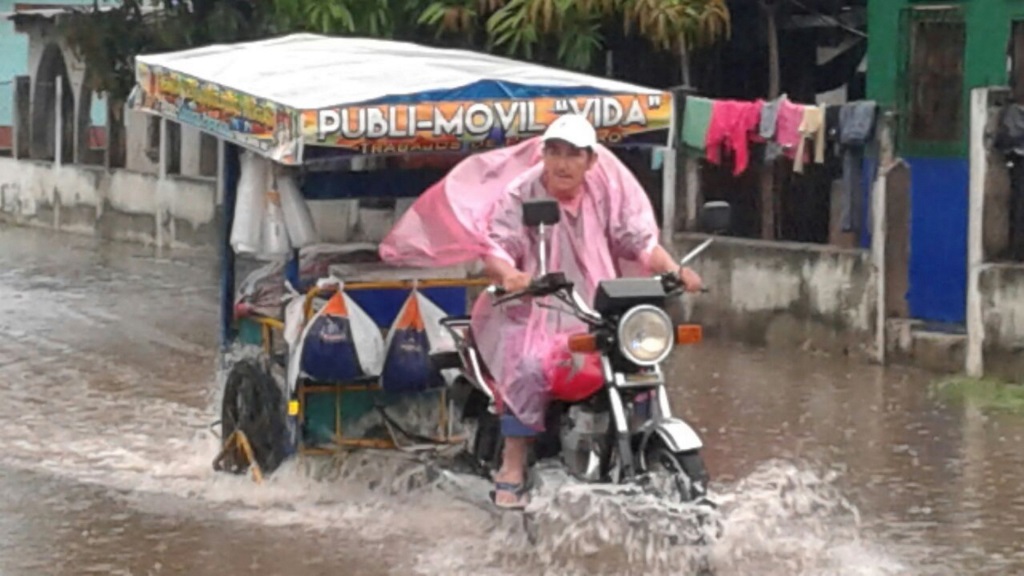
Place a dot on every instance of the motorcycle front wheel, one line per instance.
(686, 469)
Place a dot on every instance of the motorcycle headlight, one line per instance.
(645, 335)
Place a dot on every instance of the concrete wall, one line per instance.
(196, 152)
(139, 155)
(764, 293)
(124, 205)
(996, 290)
(1001, 288)
(786, 294)
(119, 205)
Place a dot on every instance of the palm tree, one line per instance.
(570, 32)
(564, 32)
(560, 32)
(364, 17)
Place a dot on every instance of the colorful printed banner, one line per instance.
(273, 130)
(449, 126)
(257, 124)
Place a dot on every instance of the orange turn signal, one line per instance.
(688, 334)
(582, 343)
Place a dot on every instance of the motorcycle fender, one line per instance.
(677, 435)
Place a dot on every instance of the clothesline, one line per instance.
(713, 126)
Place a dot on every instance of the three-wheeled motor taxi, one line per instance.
(324, 143)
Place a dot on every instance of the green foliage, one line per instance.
(986, 394)
(337, 17)
(108, 40)
(570, 32)
(558, 32)
(107, 43)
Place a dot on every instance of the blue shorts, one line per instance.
(512, 427)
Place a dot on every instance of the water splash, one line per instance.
(577, 528)
(791, 519)
(784, 518)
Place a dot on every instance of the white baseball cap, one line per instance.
(574, 129)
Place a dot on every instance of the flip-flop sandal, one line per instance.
(518, 489)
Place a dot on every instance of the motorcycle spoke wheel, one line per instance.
(684, 470)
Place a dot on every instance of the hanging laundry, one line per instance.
(812, 125)
(696, 118)
(657, 159)
(857, 122)
(856, 130)
(769, 117)
(832, 124)
(769, 121)
(787, 127)
(732, 124)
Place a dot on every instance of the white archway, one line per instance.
(52, 69)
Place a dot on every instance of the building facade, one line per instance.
(14, 46)
(943, 50)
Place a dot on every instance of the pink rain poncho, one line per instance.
(476, 211)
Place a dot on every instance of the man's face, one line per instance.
(564, 167)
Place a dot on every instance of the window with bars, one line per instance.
(935, 77)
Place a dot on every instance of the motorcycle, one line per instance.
(619, 427)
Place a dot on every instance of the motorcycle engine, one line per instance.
(583, 436)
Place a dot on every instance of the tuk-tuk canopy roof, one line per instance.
(377, 96)
(308, 71)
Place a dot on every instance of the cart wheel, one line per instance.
(253, 404)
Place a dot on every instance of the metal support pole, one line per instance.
(230, 166)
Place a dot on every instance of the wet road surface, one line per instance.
(107, 392)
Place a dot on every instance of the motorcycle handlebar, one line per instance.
(552, 283)
(674, 285)
(543, 286)
(501, 295)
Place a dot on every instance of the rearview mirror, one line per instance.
(715, 217)
(541, 211)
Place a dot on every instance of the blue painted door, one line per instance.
(938, 239)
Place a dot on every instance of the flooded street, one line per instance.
(107, 365)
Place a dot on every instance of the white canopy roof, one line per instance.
(308, 71)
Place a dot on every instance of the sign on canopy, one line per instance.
(255, 123)
(306, 97)
(479, 124)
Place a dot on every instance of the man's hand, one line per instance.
(515, 281)
(661, 262)
(505, 274)
(691, 280)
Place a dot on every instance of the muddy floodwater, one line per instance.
(108, 392)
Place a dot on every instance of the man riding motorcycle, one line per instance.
(604, 221)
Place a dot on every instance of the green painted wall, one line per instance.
(988, 25)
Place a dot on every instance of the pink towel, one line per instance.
(733, 123)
